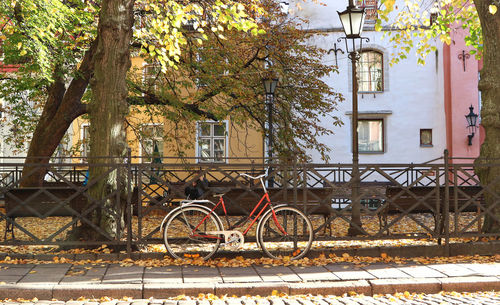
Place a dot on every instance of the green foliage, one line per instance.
(160, 33)
(41, 34)
(223, 77)
(211, 58)
(411, 28)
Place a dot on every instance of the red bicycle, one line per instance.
(194, 230)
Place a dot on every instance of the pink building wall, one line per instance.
(460, 92)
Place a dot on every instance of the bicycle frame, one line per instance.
(265, 199)
(254, 220)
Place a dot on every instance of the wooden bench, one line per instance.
(424, 199)
(41, 202)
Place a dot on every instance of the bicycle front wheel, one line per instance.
(285, 232)
(187, 233)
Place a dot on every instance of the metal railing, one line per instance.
(443, 199)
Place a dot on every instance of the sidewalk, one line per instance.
(71, 281)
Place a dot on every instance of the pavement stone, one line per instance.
(9, 279)
(15, 270)
(116, 274)
(85, 274)
(385, 272)
(453, 270)
(277, 274)
(174, 289)
(349, 273)
(239, 275)
(65, 281)
(331, 288)
(422, 272)
(314, 273)
(43, 274)
(391, 286)
(170, 274)
(470, 284)
(241, 289)
(26, 291)
(483, 269)
(66, 292)
(200, 274)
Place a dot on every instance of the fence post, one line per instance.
(295, 181)
(304, 186)
(446, 203)
(129, 202)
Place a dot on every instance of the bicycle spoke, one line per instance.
(285, 233)
(185, 233)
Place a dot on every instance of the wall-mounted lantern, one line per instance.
(471, 123)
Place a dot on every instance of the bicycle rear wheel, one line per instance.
(185, 234)
(286, 232)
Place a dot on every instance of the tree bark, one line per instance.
(62, 107)
(108, 110)
(490, 110)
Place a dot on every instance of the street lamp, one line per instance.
(352, 20)
(471, 123)
(270, 87)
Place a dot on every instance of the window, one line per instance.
(425, 137)
(151, 76)
(199, 65)
(371, 135)
(212, 139)
(370, 72)
(370, 9)
(151, 142)
(85, 140)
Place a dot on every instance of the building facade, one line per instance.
(407, 112)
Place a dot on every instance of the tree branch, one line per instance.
(151, 99)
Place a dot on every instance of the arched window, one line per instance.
(371, 71)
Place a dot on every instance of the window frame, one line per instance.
(211, 137)
(360, 70)
(142, 139)
(422, 130)
(383, 136)
(85, 147)
(147, 78)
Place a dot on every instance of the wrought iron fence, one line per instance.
(442, 199)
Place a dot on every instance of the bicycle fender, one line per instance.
(190, 205)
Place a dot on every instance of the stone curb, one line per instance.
(160, 290)
(331, 288)
(476, 248)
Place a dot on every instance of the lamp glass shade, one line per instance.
(352, 20)
(284, 7)
(270, 85)
(471, 117)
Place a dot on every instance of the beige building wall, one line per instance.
(241, 143)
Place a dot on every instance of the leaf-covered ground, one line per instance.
(406, 226)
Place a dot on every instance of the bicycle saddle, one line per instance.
(219, 191)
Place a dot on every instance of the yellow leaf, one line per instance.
(493, 9)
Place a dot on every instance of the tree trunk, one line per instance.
(107, 111)
(490, 110)
(62, 107)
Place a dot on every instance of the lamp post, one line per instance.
(352, 20)
(471, 124)
(270, 87)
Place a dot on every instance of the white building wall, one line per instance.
(413, 97)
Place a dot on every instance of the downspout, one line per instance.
(447, 98)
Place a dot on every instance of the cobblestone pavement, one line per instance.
(487, 298)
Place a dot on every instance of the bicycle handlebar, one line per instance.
(256, 177)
